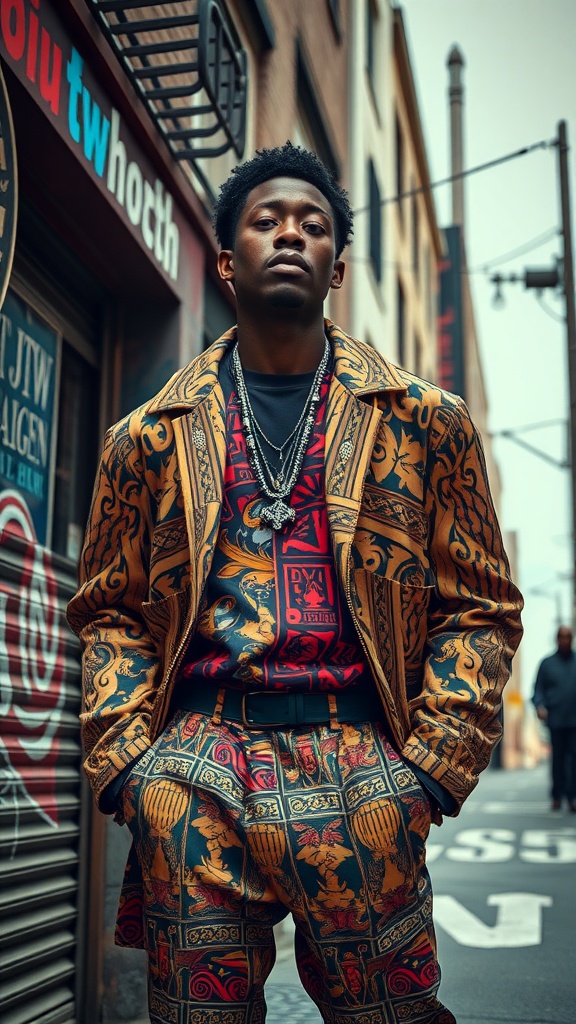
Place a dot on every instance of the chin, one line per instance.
(286, 299)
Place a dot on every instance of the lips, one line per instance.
(289, 259)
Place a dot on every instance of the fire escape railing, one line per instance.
(186, 62)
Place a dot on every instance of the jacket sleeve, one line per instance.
(119, 659)
(539, 697)
(473, 623)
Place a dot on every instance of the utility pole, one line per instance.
(550, 277)
(568, 281)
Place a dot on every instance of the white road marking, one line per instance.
(491, 845)
(497, 845)
(514, 807)
(549, 846)
(518, 922)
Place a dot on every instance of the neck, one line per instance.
(271, 346)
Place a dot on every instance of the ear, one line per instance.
(338, 274)
(226, 264)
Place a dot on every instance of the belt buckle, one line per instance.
(257, 725)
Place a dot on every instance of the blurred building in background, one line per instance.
(126, 120)
(394, 262)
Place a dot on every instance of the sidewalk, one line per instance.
(286, 999)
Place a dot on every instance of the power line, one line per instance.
(529, 246)
(520, 250)
(551, 312)
(543, 144)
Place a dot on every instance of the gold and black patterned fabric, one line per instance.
(272, 615)
(416, 545)
(234, 828)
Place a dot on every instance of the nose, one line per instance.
(289, 234)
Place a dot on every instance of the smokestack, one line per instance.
(455, 66)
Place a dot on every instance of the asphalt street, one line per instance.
(504, 875)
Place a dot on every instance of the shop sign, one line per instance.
(28, 352)
(34, 43)
(32, 683)
(450, 321)
(8, 189)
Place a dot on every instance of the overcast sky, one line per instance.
(520, 80)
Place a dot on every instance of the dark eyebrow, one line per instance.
(279, 203)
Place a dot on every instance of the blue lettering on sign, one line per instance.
(96, 127)
(93, 126)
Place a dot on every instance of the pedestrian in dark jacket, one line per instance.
(555, 702)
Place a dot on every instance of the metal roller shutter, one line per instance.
(40, 809)
(45, 811)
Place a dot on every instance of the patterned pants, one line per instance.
(234, 829)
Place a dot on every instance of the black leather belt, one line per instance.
(270, 709)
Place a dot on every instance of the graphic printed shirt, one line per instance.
(273, 615)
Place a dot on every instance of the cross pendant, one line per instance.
(277, 515)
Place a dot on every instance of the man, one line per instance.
(555, 702)
(297, 621)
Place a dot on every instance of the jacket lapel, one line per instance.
(352, 421)
(195, 401)
(351, 427)
(200, 437)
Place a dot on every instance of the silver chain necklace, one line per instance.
(278, 484)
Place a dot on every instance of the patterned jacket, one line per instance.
(416, 545)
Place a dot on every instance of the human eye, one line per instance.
(314, 228)
(264, 222)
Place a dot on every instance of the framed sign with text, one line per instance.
(28, 373)
(8, 189)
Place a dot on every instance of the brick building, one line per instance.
(125, 120)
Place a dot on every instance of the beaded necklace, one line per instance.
(277, 484)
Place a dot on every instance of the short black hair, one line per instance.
(285, 161)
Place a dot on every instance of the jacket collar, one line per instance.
(357, 366)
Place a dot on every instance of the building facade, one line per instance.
(114, 256)
(394, 262)
(125, 120)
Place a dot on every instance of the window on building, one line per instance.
(415, 233)
(311, 129)
(77, 442)
(375, 216)
(401, 326)
(219, 316)
(428, 295)
(418, 356)
(334, 8)
(371, 28)
(58, 309)
(399, 162)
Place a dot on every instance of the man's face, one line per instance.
(284, 250)
(564, 640)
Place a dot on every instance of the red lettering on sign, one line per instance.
(21, 39)
(32, 691)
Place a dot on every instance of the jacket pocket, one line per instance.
(166, 617)
(398, 623)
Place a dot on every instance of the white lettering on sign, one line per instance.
(23, 430)
(149, 208)
(518, 921)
